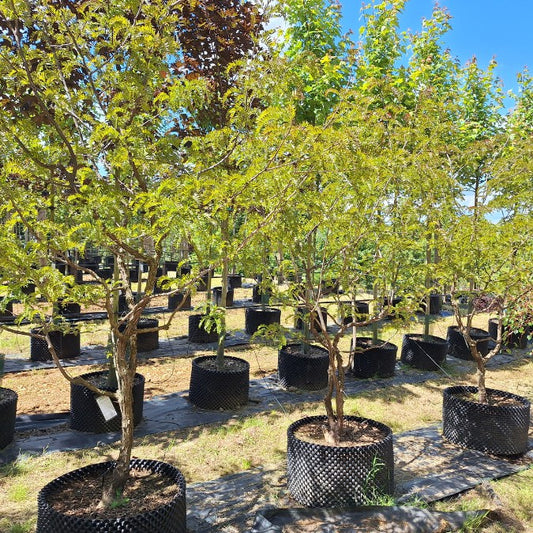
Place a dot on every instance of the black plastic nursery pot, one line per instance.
(149, 340)
(170, 266)
(257, 295)
(302, 313)
(435, 304)
(235, 281)
(306, 371)
(8, 415)
(255, 317)
(202, 283)
(499, 427)
(457, 346)
(211, 388)
(66, 345)
(68, 308)
(374, 358)
(197, 333)
(217, 296)
(174, 301)
(510, 339)
(322, 475)
(167, 518)
(425, 352)
(362, 309)
(6, 314)
(85, 414)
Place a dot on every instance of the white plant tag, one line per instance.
(106, 407)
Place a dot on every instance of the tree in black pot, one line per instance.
(485, 256)
(90, 158)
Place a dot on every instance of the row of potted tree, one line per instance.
(347, 169)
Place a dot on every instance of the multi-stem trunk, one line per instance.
(113, 487)
(335, 415)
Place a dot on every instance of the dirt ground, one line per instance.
(46, 391)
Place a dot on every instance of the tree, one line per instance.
(483, 254)
(316, 53)
(89, 158)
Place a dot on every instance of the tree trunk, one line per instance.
(224, 295)
(114, 487)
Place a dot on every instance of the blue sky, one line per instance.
(482, 28)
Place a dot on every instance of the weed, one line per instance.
(18, 493)
(372, 493)
(22, 527)
(474, 523)
(119, 501)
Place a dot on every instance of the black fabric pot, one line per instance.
(257, 295)
(302, 313)
(85, 415)
(510, 339)
(171, 266)
(198, 334)
(217, 296)
(68, 308)
(320, 475)
(168, 518)
(122, 303)
(8, 415)
(423, 352)
(202, 283)
(457, 346)
(146, 341)
(7, 314)
(374, 359)
(28, 289)
(435, 304)
(134, 274)
(66, 345)
(395, 301)
(303, 371)
(211, 388)
(496, 429)
(106, 273)
(235, 281)
(255, 317)
(361, 308)
(174, 301)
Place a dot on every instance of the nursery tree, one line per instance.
(483, 253)
(510, 188)
(432, 110)
(316, 53)
(91, 94)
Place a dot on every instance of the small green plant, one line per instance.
(119, 500)
(372, 494)
(211, 317)
(25, 527)
(474, 523)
